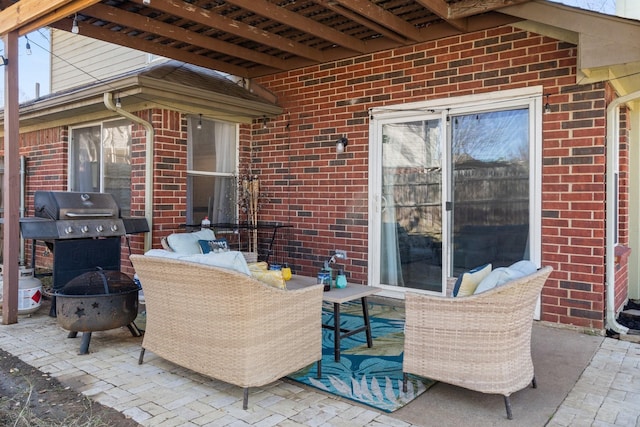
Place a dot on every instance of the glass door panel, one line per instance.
(411, 205)
(490, 185)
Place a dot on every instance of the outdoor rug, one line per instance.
(372, 376)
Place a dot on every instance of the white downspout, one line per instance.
(23, 175)
(148, 179)
(613, 114)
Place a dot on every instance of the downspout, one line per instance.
(148, 179)
(23, 174)
(613, 114)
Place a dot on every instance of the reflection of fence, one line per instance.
(416, 200)
(485, 194)
(491, 194)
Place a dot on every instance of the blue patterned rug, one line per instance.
(372, 376)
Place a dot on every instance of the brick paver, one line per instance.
(158, 393)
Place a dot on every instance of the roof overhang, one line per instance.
(608, 46)
(137, 92)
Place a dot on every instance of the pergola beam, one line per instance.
(121, 39)
(205, 17)
(302, 23)
(134, 21)
(377, 16)
(28, 15)
(466, 8)
(442, 9)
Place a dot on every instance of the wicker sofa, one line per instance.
(480, 342)
(226, 324)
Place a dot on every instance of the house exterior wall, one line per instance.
(325, 196)
(46, 153)
(81, 60)
(170, 181)
(623, 251)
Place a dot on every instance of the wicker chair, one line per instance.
(480, 342)
(227, 325)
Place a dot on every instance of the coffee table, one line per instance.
(339, 296)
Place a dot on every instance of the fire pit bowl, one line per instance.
(97, 301)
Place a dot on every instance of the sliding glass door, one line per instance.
(411, 204)
(452, 189)
(490, 188)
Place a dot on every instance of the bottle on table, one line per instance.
(341, 280)
(206, 223)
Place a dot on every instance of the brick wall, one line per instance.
(170, 178)
(46, 153)
(325, 195)
(622, 250)
(47, 157)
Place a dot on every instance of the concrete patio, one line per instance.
(582, 380)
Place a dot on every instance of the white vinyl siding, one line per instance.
(79, 60)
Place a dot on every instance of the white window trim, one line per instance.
(71, 150)
(194, 172)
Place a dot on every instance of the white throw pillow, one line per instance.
(231, 260)
(502, 275)
(525, 266)
(187, 243)
(469, 280)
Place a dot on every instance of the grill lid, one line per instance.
(76, 215)
(61, 205)
(99, 282)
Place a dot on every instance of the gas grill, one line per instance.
(77, 215)
(82, 230)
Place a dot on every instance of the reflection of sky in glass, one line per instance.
(492, 136)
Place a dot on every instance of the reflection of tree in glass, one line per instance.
(411, 145)
(116, 141)
(497, 136)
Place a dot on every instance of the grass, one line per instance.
(30, 398)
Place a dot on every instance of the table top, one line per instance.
(352, 292)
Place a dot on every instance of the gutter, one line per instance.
(148, 179)
(613, 129)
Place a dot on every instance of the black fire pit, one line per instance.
(97, 301)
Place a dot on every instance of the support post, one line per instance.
(11, 182)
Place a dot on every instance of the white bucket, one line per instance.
(29, 291)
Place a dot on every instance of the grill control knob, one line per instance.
(114, 227)
(99, 228)
(84, 229)
(68, 230)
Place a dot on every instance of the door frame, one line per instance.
(531, 97)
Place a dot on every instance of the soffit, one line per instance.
(608, 46)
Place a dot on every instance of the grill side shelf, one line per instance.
(43, 229)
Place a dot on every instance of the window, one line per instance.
(100, 161)
(211, 171)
